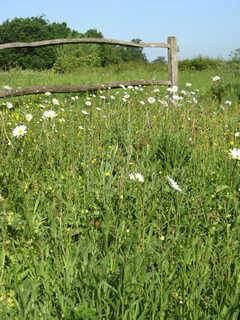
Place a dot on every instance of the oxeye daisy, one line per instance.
(29, 117)
(151, 100)
(235, 153)
(49, 114)
(9, 105)
(55, 101)
(173, 184)
(88, 103)
(84, 112)
(136, 177)
(19, 131)
(47, 93)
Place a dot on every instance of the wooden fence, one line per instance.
(171, 45)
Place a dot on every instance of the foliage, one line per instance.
(29, 30)
(199, 63)
(80, 239)
(160, 60)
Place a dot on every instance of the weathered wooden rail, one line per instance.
(171, 45)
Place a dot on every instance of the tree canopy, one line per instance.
(67, 57)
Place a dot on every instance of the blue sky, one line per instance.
(207, 27)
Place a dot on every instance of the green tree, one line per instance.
(160, 60)
(29, 30)
(137, 53)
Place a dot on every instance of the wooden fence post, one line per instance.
(172, 61)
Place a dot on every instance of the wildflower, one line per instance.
(29, 117)
(127, 96)
(188, 84)
(102, 97)
(162, 238)
(55, 101)
(151, 100)
(19, 131)
(142, 102)
(84, 112)
(47, 93)
(80, 127)
(7, 88)
(136, 177)
(41, 105)
(216, 78)
(9, 105)
(183, 92)
(174, 89)
(227, 102)
(107, 174)
(237, 134)
(88, 103)
(222, 107)
(235, 153)
(112, 97)
(121, 196)
(173, 184)
(99, 109)
(49, 114)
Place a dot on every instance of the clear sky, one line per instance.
(207, 27)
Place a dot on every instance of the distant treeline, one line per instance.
(75, 56)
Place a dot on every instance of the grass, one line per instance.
(80, 239)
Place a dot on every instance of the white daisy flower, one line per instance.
(84, 112)
(47, 93)
(174, 89)
(9, 105)
(188, 84)
(28, 117)
(216, 78)
(136, 177)
(88, 103)
(7, 88)
(237, 134)
(49, 114)
(55, 101)
(235, 153)
(19, 131)
(151, 100)
(173, 184)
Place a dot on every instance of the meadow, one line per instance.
(121, 204)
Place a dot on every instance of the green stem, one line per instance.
(235, 211)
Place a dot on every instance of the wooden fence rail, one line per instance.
(171, 45)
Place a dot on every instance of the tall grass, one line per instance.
(80, 239)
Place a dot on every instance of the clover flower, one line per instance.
(235, 153)
(173, 184)
(136, 177)
(19, 131)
